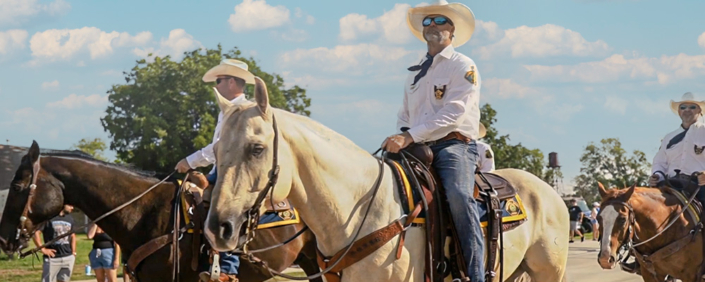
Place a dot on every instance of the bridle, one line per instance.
(22, 228)
(253, 215)
(628, 241)
(628, 244)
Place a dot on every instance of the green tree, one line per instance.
(164, 111)
(608, 163)
(514, 156)
(94, 147)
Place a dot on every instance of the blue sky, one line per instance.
(560, 73)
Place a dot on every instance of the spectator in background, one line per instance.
(105, 255)
(593, 220)
(576, 217)
(59, 256)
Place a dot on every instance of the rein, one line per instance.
(22, 229)
(632, 220)
(253, 215)
(32, 251)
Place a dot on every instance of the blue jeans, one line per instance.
(229, 264)
(454, 162)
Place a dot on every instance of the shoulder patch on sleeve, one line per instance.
(471, 76)
(488, 154)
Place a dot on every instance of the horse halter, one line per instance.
(253, 213)
(22, 230)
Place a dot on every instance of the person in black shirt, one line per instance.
(59, 256)
(576, 217)
(105, 255)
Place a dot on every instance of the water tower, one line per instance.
(554, 167)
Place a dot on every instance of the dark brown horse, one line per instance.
(639, 218)
(96, 187)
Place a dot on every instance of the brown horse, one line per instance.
(96, 187)
(639, 217)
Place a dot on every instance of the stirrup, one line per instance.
(215, 268)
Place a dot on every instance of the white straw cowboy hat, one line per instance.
(687, 98)
(462, 17)
(230, 67)
(483, 130)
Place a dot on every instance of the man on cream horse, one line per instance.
(441, 109)
(345, 194)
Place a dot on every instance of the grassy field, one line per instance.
(29, 269)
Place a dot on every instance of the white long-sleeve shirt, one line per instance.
(429, 116)
(206, 156)
(688, 155)
(485, 157)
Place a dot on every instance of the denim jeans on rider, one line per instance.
(229, 263)
(455, 162)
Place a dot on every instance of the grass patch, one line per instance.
(29, 269)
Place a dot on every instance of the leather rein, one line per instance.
(628, 241)
(24, 231)
(253, 215)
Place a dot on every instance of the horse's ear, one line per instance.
(262, 96)
(223, 103)
(33, 153)
(629, 192)
(602, 190)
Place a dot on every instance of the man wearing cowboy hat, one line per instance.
(231, 77)
(485, 155)
(683, 148)
(441, 109)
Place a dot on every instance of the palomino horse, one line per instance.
(333, 181)
(97, 187)
(630, 217)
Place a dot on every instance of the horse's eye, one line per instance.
(257, 150)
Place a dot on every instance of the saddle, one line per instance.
(489, 189)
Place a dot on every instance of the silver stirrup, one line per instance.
(215, 268)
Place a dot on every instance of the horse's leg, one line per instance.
(307, 258)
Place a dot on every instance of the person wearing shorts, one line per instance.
(576, 217)
(105, 255)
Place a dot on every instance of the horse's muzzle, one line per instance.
(607, 260)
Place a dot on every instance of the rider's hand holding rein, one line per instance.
(182, 166)
(701, 179)
(395, 143)
(653, 180)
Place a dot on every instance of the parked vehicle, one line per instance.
(585, 225)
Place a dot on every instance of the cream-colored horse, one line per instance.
(330, 180)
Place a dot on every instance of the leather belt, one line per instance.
(451, 136)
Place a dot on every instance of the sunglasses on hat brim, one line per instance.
(439, 20)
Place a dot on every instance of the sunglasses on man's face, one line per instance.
(440, 20)
(218, 80)
(691, 107)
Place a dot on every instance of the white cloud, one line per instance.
(310, 19)
(701, 40)
(486, 33)
(50, 85)
(74, 101)
(16, 12)
(256, 14)
(12, 39)
(298, 13)
(351, 59)
(543, 41)
(64, 44)
(505, 88)
(178, 42)
(664, 70)
(390, 26)
(616, 104)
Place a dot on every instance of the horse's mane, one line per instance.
(86, 157)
